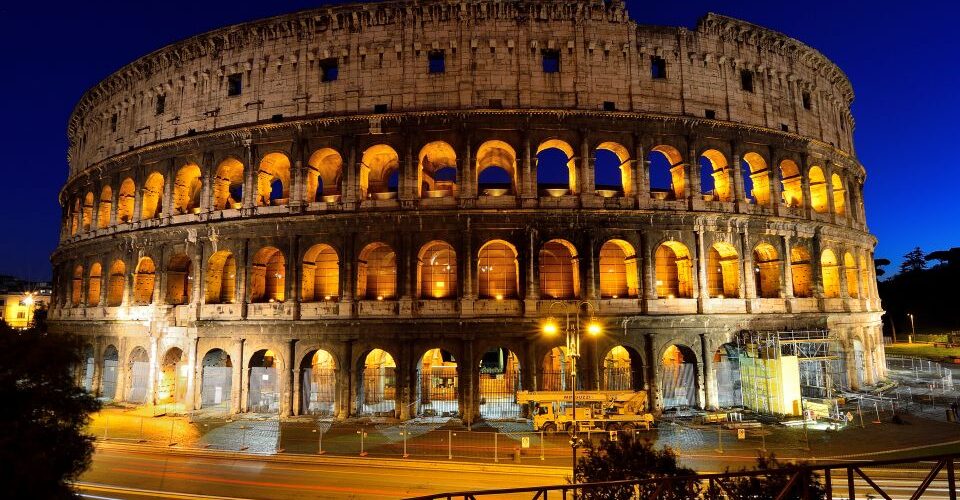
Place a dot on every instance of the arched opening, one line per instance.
(179, 280)
(766, 271)
(622, 370)
(324, 175)
(151, 201)
(216, 379)
(76, 287)
(756, 175)
(228, 185)
(674, 273)
(866, 285)
(105, 207)
(273, 180)
(437, 271)
(378, 164)
(559, 273)
(87, 211)
(264, 389)
(221, 280)
(144, 279)
(89, 361)
(94, 285)
(556, 169)
(792, 184)
(498, 271)
(108, 377)
(437, 385)
(726, 363)
(125, 200)
(818, 190)
(138, 378)
(377, 273)
(668, 180)
(186, 189)
(377, 390)
(496, 169)
(618, 270)
(678, 378)
(499, 383)
(839, 198)
(172, 384)
(723, 271)
(801, 272)
(557, 371)
(715, 182)
(612, 173)
(856, 205)
(75, 216)
(318, 384)
(117, 284)
(859, 364)
(268, 276)
(321, 274)
(437, 171)
(851, 273)
(830, 272)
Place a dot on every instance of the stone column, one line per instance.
(776, 187)
(208, 174)
(643, 174)
(243, 277)
(828, 176)
(349, 182)
(468, 266)
(347, 401)
(592, 275)
(701, 268)
(409, 172)
(533, 285)
(297, 195)
(469, 382)
(693, 177)
(807, 205)
(815, 269)
(291, 392)
(114, 201)
(710, 389)
(466, 175)
(250, 193)
(239, 393)
(654, 394)
(786, 272)
(292, 289)
(154, 371)
(170, 176)
(748, 283)
(529, 177)
(195, 369)
(347, 275)
(647, 268)
(138, 196)
(739, 196)
(586, 187)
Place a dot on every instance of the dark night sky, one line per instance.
(902, 64)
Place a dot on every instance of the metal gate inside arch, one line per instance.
(499, 383)
(318, 379)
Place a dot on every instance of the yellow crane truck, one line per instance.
(604, 410)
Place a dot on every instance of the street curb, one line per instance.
(387, 463)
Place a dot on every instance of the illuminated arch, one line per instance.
(94, 285)
(622, 370)
(865, 278)
(273, 180)
(673, 269)
(624, 173)
(437, 170)
(723, 271)
(105, 207)
(498, 271)
(715, 172)
(618, 270)
(179, 280)
(839, 199)
(377, 165)
(318, 383)
(151, 202)
(221, 278)
(555, 162)
(324, 176)
(321, 274)
(378, 383)
(851, 273)
(759, 175)
(679, 382)
(75, 214)
(117, 284)
(144, 279)
(801, 272)
(186, 189)
(667, 172)
(377, 272)
(496, 168)
(125, 200)
(830, 274)
(818, 190)
(792, 184)
(437, 271)
(228, 185)
(88, 211)
(559, 270)
(76, 287)
(766, 271)
(268, 271)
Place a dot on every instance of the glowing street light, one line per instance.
(550, 327)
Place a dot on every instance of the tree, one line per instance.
(632, 458)
(945, 257)
(913, 261)
(42, 445)
(879, 264)
(771, 485)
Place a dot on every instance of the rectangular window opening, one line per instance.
(551, 61)
(161, 104)
(658, 67)
(710, 114)
(113, 123)
(784, 127)
(234, 84)
(436, 62)
(329, 70)
(806, 101)
(746, 80)
(609, 106)
(496, 104)
(380, 108)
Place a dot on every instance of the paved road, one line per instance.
(186, 476)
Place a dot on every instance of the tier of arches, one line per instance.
(495, 169)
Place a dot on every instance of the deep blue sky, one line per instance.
(902, 62)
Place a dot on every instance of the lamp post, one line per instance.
(572, 332)
(28, 301)
(913, 331)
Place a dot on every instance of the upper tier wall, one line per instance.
(493, 57)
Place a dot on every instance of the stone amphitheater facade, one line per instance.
(324, 197)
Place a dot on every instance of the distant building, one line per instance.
(19, 299)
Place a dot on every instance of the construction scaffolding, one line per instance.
(791, 372)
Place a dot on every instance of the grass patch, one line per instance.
(922, 350)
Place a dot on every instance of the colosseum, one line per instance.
(371, 210)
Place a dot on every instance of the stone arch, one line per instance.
(498, 271)
(228, 185)
(105, 207)
(379, 166)
(377, 384)
(437, 171)
(438, 387)
(559, 270)
(187, 186)
(723, 271)
(172, 380)
(866, 282)
(839, 197)
(263, 390)
(87, 214)
(668, 179)
(679, 383)
(801, 272)
(726, 366)
(108, 376)
(674, 276)
(766, 271)
(179, 279)
(613, 175)
(89, 360)
(556, 168)
(496, 169)
(125, 200)
(94, 285)
(715, 178)
(377, 272)
(320, 280)
(792, 184)
(273, 180)
(221, 278)
(324, 176)
(851, 273)
(437, 271)
(818, 190)
(144, 279)
(216, 379)
(556, 371)
(318, 383)
(151, 200)
(622, 369)
(75, 216)
(500, 379)
(76, 286)
(619, 276)
(830, 274)
(268, 271)
(757, 172)
(117, 283)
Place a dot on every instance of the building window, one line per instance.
(784, 127)
(658, 68)
(551, 61)
(113, 122)
(746, 80)
(234, 84)
(21, 315)
(806, 101)
(609, 106)
(710, 114)
(329, 70)
(436, 61)
(161, 104)
(380, 108)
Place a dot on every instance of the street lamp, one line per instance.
(28, 301)
(913, 331)
(572, 331)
